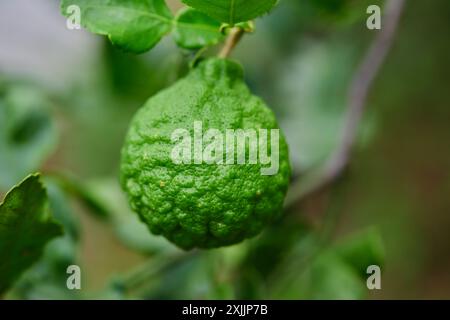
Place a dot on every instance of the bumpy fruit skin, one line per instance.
(201, 205)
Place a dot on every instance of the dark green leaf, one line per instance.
(25, 227)
(362, 250)
(133, 25)
(329, 277)
(27, 134)
(190, 276)
(195, 30)
(324, 275)
(337, 272)
(46, 279)
(61, 209)
(232, 11)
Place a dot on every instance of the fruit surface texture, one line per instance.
(202, 205)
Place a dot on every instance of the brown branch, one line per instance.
(232, 40)
(357, 96)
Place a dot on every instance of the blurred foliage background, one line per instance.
(66, 98)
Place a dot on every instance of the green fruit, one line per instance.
(202, 205)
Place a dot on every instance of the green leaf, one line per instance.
(25, 227)
(133, 25)
(61, 209)
(77, 189)
(190, 276)
(130, 230)
(195, 30)
(312, 271)
(46, 279)
(27, 133)
(232, 11)
(324, 275)
(362, 250)
(329, 277)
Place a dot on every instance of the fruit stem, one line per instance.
(233, 38)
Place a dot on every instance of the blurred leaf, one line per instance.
(134, 234)
(111, 90)
(308, 17)
(47, 278)
(232, 11)
(60, 208)
(192, 277)
(362, 250)
(311, 271)
(173, 283)
(78, 190)
(329, 277)
(343, 11)
(271, 252)
(313, 89)
(195, 30)
(133, 25)
(27, 133)
(320, 274)
(330, 5)
(113, 291)
(25, 227)
(130, 230)
(268, 250)
(130, 79)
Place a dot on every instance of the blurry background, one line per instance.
(66, 98)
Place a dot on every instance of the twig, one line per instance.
(357, 96)
(232, 40)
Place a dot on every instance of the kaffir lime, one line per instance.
(195, 204)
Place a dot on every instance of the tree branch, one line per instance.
(232, 40)
(357, 96)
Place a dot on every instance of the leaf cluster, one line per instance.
(138, 25)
